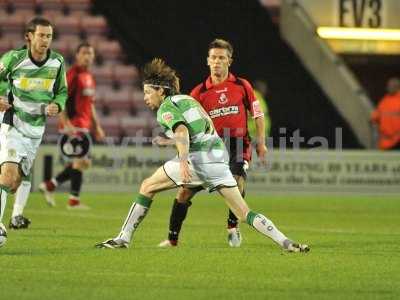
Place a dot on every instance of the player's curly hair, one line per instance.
(158, 74)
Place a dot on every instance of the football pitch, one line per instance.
(355, 251)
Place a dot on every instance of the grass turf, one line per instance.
(355, 251)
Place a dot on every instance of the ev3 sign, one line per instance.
(361, 13)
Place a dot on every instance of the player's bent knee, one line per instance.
(147, 187)
(9, 182)
(184, 195)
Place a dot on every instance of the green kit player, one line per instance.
(201, 160)
(18, 221)
(37, 89)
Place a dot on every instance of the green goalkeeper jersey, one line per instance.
(32, 86)
(183, 109)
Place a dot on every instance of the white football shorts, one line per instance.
(17, 148)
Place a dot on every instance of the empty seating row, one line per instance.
(73, 24)
(138, 129)
(63, 5)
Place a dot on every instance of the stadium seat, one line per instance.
(68, 25)
(126, 74)
(4, 4)
(62, 47)
(47, 6)
(52, 16)
(5, 45)
(23, 5)
(77, 5)
(135, 127)
(112, 127)
(94, 25)
(110, 50)
(120, 102)
(103, 74)
(12, 24)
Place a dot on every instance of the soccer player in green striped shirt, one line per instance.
(201, 160)
(36, 80)
(18, 221)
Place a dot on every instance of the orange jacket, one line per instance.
(387, 116)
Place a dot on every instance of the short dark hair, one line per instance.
(32, 24)
(158, 74)
(221, 44)
(84, 44)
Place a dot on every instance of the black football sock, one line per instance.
(64, 175)
(178, 215)
(76, 182)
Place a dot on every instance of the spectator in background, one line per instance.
(387, 116)
(261, 92)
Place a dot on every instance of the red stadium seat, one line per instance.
(24, 5)
(109, 50)
(5, 45)
(13, 24)
(77, 5)
(135, 127)
(52, 16)
(94, 25)
(68, 25)
(111, 127)
(104, 74)
(51, 5)
(62, 47)
(126, 74)
(120, 101)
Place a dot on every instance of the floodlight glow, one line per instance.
(346, 33)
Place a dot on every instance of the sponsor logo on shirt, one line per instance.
(222, 91)
(35, 84)
(12, 153)
(224, 111)
(167, 117)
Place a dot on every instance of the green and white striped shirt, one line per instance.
(205, 144)
(32, 87)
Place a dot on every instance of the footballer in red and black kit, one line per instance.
(227, 103)
(76, 122)
(227, 99)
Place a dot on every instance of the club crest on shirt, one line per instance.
(222, 99)
(167, 117)
(1, 67)
(12, 153)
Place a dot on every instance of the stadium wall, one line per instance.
(122, 169)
